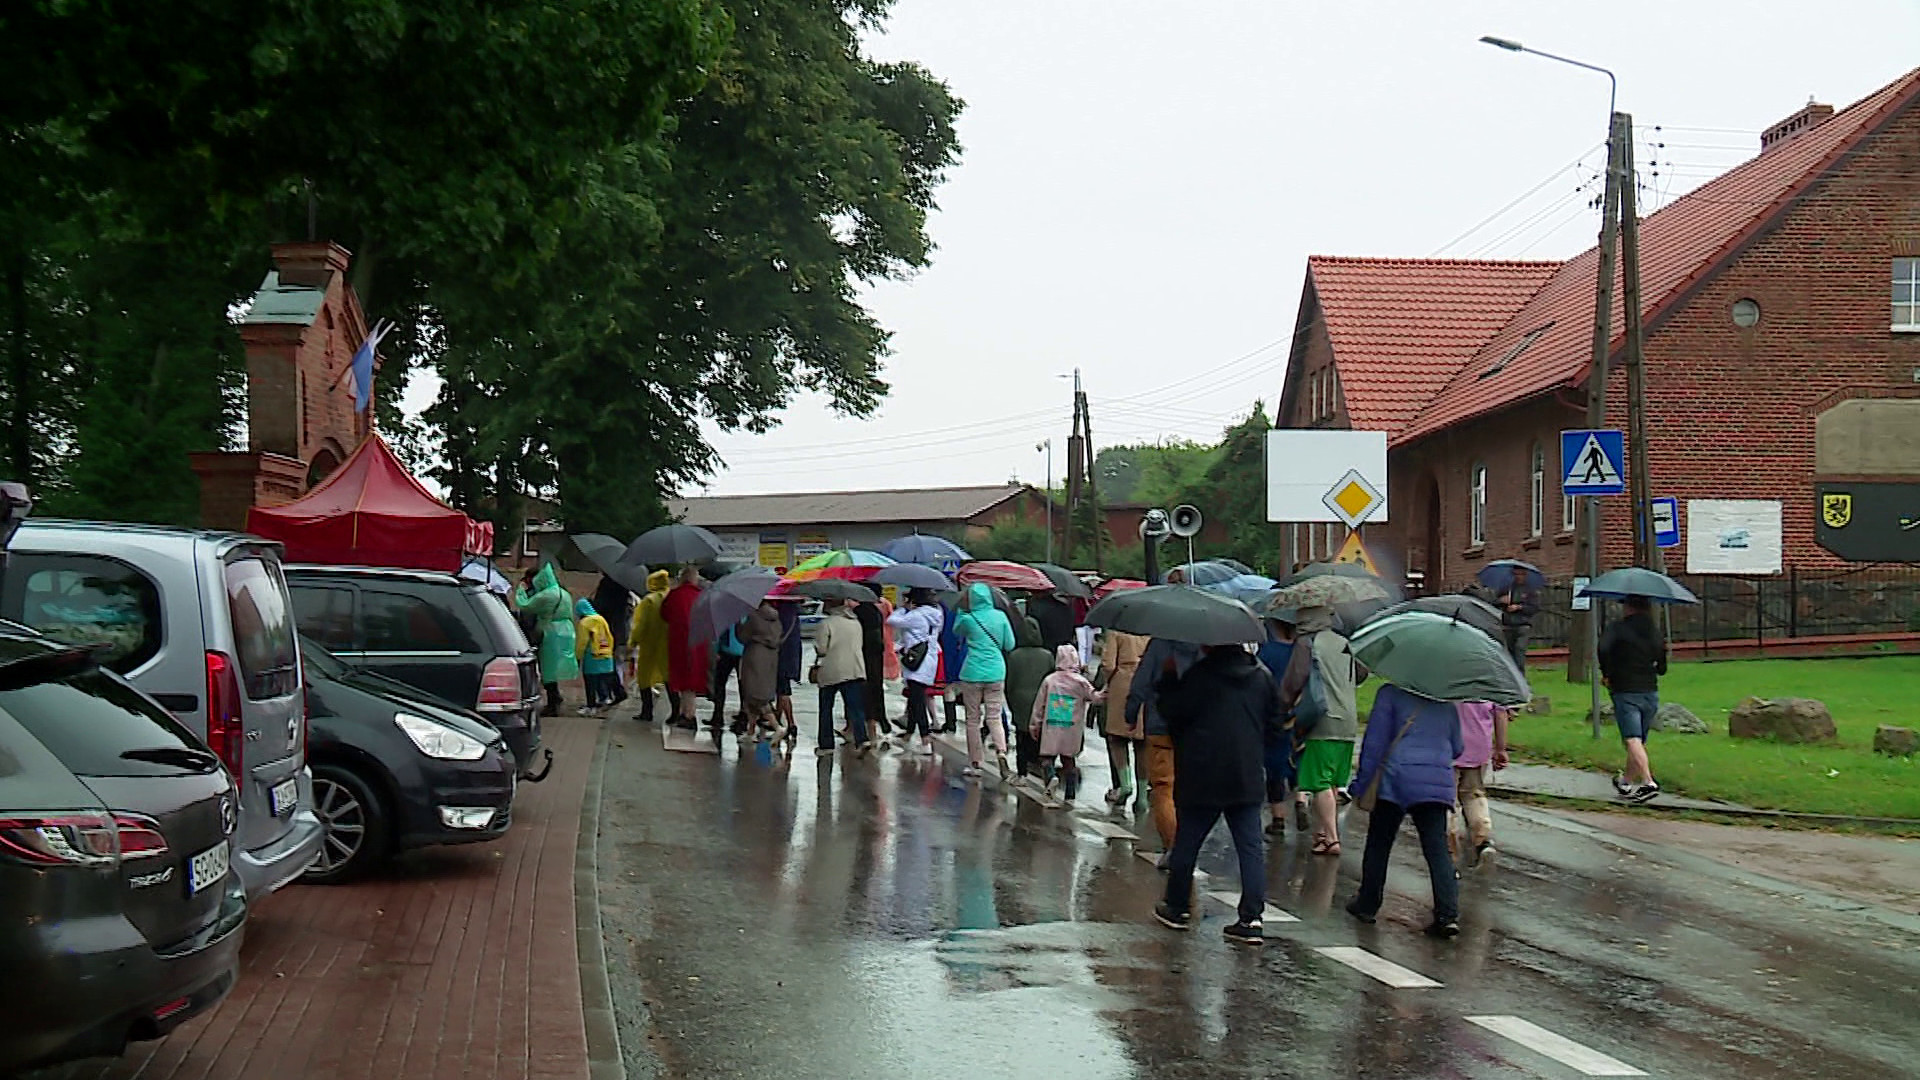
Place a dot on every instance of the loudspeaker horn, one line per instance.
(1185, 520)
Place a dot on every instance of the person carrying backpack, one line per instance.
(727, 652)
(1319, 691)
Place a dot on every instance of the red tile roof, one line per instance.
(1406, 323)
(1402, 328)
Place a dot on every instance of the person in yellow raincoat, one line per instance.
(647, 638)
(594, 650)
(552, 610)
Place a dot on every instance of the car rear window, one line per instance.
(262, 628)
(502, 628)
(404, 622)
(90, 601)
(90, 719)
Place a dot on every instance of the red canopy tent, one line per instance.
(372, 512)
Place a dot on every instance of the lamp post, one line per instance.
(1619, 144)
(1047, 446)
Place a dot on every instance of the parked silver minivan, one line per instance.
(202, 622)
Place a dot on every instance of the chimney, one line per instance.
(1795, 126)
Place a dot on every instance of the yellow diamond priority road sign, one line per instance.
(1352, 499)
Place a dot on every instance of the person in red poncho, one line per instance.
(687, 660)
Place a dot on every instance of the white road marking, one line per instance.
(686, 742)
(1107, 829)
(1379, 968)
(1563, 1050)
(1154, 856)
(1232, 899)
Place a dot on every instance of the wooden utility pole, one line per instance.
(1585, 641)
(1639, 479)
(1076, 476)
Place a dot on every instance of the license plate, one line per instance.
(285, 795)
(207, 868)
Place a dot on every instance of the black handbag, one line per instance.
(913, 656)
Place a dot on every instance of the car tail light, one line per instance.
(225, 731)
(140, 836)
(499, 685)
(171, 1008)
(59, 839)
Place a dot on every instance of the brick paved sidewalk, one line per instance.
(456, 962)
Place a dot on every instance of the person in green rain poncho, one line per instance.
(552, 611)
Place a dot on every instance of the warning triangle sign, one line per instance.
(1592, 467)
(1355, 552)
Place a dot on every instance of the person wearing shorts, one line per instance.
(1633, 656)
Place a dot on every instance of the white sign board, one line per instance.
(739, 547)
(1733, 536)
(1304, 466)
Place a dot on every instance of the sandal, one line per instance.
(1326, 847)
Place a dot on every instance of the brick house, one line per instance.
(1771, 357)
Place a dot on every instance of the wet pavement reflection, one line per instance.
(840, 916)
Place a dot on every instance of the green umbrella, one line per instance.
(1178, 613)
(1634, 581)
(1440, 657)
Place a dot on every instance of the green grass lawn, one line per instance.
(1846, 777)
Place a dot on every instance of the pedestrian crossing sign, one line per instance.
(1355, 552)
(1591, 462)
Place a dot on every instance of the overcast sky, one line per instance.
(1142, 182)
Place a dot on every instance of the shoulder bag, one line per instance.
(1366, 799)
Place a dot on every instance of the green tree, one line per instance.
(1013, 541)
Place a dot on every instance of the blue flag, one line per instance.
(362, 366)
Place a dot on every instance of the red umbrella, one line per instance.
(1114, 585)
(1005, 575)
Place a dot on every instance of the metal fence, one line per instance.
(1796, 604)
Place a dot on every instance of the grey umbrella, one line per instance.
(672, 544)
(1178, 613)
(1064, 580)
(1634, 581)
(908, 575)
(604, 551)
(1473, 611)
(834, 589)
(727, 601)
(1440, 657)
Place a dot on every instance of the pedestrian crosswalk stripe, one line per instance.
(1107, 829)
(1378, 968)
(1561, 1049)
(1232, 899)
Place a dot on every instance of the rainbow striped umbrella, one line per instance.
(852, 564)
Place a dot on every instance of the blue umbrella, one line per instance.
(1211, 571)
(1634, 581)
(1246, 588)
(935, 551)
(1498, 574)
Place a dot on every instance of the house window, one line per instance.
(529, 546)
(1477, 507)
(1568, 513)
(1906, 294)
(1537, 492)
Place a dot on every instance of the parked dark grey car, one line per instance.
(121, 911)
(395, 768)
(436, 632)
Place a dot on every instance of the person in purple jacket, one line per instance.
(1406, 767)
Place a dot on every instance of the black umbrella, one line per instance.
(1498, 574)
(1066, 581)
(671, 544)
(605, 552)
(834, 589)
(1178, 613)
(727, 601)
(716, 570)
(912, 576)
(1474, 612)
(1634, 581)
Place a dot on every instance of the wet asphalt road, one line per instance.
(885, 918)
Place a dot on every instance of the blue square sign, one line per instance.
(1593, 462)
(1666, 522)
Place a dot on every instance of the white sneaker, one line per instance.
(971, 771)
(926, 748)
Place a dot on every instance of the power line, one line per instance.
(1524, 196)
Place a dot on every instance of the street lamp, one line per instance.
(1047, 446)
(1613, 84)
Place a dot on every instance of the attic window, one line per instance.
(1526, 340)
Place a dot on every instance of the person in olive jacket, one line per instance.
(1220, 715)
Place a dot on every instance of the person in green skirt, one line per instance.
(1320, 678)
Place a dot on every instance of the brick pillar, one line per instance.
(232, 482)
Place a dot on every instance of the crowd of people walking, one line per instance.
(1258, 728)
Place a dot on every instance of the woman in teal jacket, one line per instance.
(983, 678)
(552, 610)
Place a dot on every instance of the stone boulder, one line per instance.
(1788, 720)
(1541, 705)
(1679, 720)
(1897, 741)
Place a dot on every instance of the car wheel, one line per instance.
(355, 823)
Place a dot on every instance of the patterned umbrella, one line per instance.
(1005, 575)
(853, 564)
(1329, 590)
